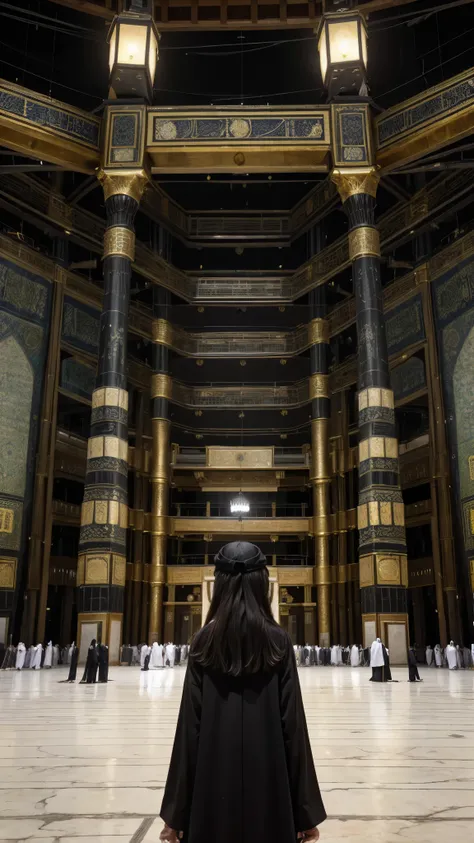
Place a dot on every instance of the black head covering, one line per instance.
(239, 558)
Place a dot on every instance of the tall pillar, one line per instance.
(381, 521)
(309, 617)
(137, 534)
(441, 518)
(160, 395)
(104, 516)
(320, 475)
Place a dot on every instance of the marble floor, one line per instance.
(85, 763)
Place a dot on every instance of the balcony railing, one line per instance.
(281, 559)
(258, 510)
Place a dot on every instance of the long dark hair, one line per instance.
(240, 636)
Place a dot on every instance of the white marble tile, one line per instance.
(395, 762)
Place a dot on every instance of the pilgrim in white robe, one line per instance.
(70, 652)
(156, 657)
(438, 654)
(429, 656)
(451, 656)
(55, 655)
(355, 656)
(48, 656)
(29, 656)
(170, 654)
(20, 656)
(36, 657)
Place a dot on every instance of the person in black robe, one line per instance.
(380, 663)
(73, 666)
(103, 656)
(90, 670)
(413, 675)
(241, 767)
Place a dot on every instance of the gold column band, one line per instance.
(161, 386)
(319, 451)
(318, 331)
(363, 242)
(110, 396)
(318, 386)
(162, 332)
(120, 241)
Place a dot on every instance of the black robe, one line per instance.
(90, 670)
(103, 663)
(242, 769)
(413, 674)
(382, 674)
(73, 667)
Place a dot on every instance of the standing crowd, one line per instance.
(154, 656)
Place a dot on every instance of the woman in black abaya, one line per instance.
(92, 663)
(241, 769)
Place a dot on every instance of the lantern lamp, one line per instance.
(342, 45)
(239, 505)
(133, 52)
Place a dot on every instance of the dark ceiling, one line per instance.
(60, 52)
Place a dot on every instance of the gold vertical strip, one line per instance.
(160, 491)
(320, 479)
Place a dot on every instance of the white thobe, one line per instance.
(36, 657)
(334, 655)
(48, 656)
(156, 656)
(459, 657)
(143, 654)
(376, 654)
(170, 654)
(20, 656)
(70, 652)
(316, 655)
(55, 655)
(429, 656)
(451, 657)
(438, 654)
(355, 657)
(183, 654)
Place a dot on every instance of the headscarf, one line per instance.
(239, 558)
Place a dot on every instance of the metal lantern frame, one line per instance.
(127, 79)
(343, 77)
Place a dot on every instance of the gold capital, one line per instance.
(349, 182)
(126, 182)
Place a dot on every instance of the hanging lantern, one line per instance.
(342, 46)
(133, 52)
(239, 505)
